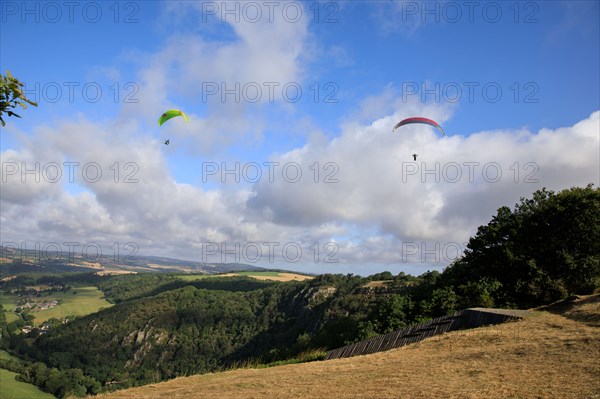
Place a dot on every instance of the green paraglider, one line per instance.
(172, 113)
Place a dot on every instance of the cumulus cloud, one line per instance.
(224, 79)
(358, 198)
(109, 188)
(457, 183)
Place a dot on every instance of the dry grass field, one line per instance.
(552, 353)
(259, 275)
(283, 277)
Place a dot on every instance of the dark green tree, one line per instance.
(544, 250)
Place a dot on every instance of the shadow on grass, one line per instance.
(584, 309)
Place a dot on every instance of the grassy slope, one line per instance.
(4, 355)
(9, 303)
(13, 389)
(551, 354)
(86, 300)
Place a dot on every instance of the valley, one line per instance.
(524, 359)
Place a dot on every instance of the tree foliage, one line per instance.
(11, 95)
(545, 249)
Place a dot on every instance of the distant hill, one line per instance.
(552, 353)
(14, 261)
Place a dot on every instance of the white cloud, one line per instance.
(360, 190)
(375, 213)
(403, 16)
(457, 183)
(133, 198)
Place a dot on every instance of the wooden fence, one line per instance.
(461, 320)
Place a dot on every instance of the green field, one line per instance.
(4, 355)
(9, 302)
(194, 277)
(10, 317)
(13, 389)
(78, 301)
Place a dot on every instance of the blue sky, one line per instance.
(514, 84)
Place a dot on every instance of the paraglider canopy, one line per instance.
(172, 113)
(418, 119)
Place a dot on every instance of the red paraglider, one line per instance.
(418, 119)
